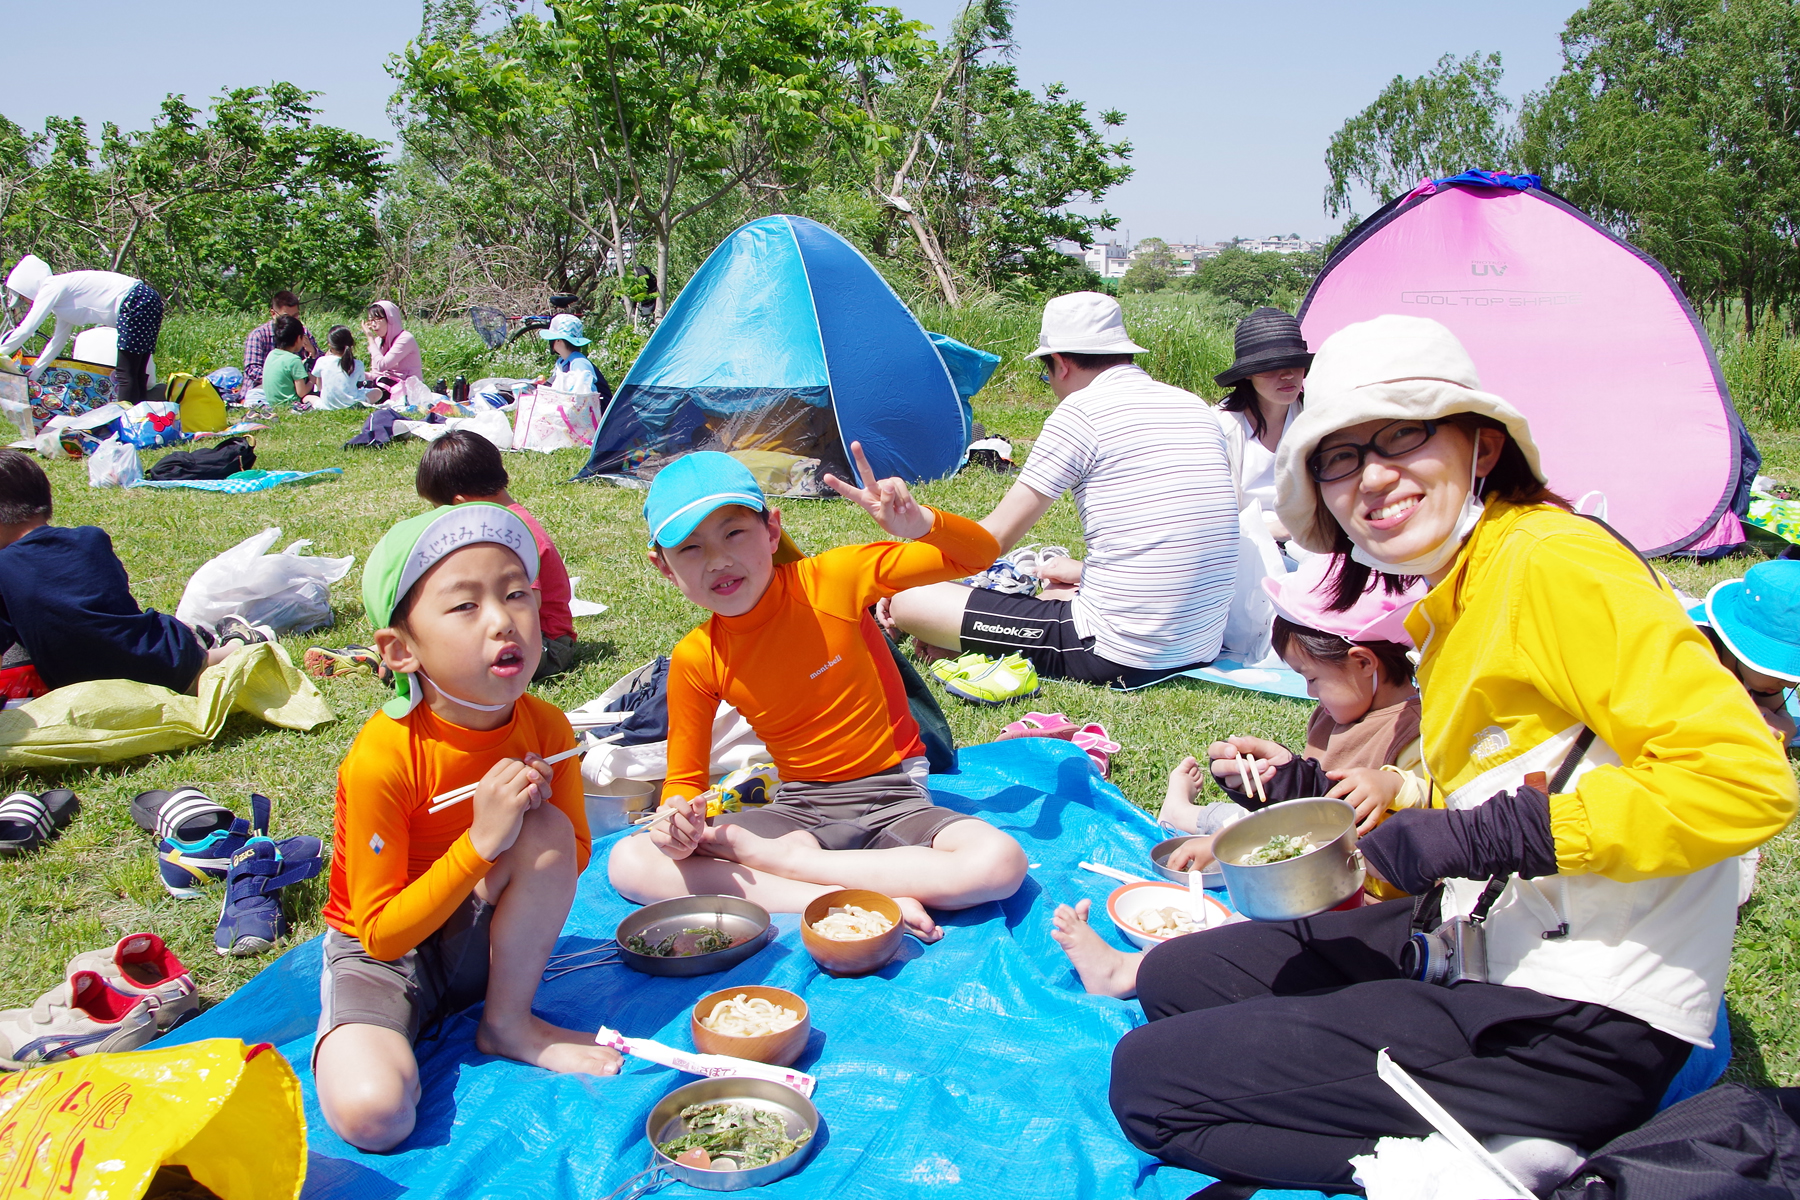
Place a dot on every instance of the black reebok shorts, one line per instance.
(1044, 632)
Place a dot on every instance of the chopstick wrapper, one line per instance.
(719, 1066)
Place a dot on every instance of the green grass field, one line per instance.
(99, 880)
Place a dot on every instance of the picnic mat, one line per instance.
(1272, 681)
(242, 483)
(975, 1067)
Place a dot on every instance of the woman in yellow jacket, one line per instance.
(1600, 775)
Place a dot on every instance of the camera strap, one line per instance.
(1428, 906)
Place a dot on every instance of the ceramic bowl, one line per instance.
(1132, 898)
(777, 1049)
(851, 958)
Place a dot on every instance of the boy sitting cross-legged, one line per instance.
(430, 913)
(795, 649)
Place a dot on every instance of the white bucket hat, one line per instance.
(1392, 368)
(1084, 323)
(27, 276)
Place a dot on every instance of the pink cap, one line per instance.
(1380, 616)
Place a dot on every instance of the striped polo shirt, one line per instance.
(1152, 482)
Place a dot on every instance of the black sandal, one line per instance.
(28, 822)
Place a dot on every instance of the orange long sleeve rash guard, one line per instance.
(808, 667)
(398, 871)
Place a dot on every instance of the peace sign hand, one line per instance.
(889, 500)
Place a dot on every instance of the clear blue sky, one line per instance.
(1229, 104)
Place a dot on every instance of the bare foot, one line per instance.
(1104, 971)
(1185, 783)
(917, 921)
(545, 1045)
(927, 653)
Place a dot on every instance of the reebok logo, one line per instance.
(834, 662)
(1018, 631)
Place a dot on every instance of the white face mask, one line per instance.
(458, 699)
(1441, 555)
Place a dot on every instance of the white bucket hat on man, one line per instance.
(1392, 368)
(1084, 323)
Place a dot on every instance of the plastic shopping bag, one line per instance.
(552, 420)
(1252, 614)
(105, 1125)
(289, 591)
(15, 404)
(115, 464)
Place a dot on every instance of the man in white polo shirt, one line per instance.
(1147, 464)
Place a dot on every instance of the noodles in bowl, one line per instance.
(851, 923)
(747, 1016)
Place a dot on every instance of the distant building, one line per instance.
(1110, 260)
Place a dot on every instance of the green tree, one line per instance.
(1152, 268)
(1676, 123)
(989, 173)
(254, 198)
(1252, 279)
(1444, 122)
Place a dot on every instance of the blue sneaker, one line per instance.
(251, 920)
(188, 866)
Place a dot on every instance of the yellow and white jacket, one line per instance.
(1546, 624)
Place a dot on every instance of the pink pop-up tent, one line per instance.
(1586, 335)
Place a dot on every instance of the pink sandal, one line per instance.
(1037, 724)
(1099, 746)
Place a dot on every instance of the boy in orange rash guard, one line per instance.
(432, 912)
(795, 650)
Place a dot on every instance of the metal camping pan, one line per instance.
(664, 1124)
(746, 923)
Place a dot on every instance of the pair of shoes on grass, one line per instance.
(200, 842)
(325, 663)
(983, 680)
(109, 1000)
(28, 822)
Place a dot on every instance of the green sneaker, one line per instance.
(1011, 678)
(960, 666)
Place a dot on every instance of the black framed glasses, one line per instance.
(1390, 441)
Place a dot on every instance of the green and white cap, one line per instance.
(411, 548)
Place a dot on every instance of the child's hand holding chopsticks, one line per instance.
(511, 788)
(679, 828)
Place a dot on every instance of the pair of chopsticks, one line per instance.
(458, 795)
(1249, 778)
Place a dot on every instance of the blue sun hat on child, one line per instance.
(565, 327)
(1758, 617)
(686, 491)
(411, 548)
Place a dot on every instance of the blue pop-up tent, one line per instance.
(788, 344)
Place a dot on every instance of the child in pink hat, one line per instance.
(1362, 744)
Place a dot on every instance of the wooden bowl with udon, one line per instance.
(747, 1022)
(841, 911)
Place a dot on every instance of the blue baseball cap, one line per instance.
(691, 487)
(1758, 617)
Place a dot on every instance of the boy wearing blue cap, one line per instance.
(438, 903)
(1754, 624)
(794, 648)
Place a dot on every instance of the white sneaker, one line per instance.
(142, 967)
(78, 1017)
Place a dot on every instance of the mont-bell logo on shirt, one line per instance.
(376, 844)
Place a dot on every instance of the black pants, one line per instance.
(131, 377)
(1258, 1064)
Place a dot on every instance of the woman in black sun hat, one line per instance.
(1266, 381)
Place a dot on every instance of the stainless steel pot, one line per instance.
(665, 1123)
(1297, 887)
(613, 806)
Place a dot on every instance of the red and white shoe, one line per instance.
(141, 967)
(78, 1017)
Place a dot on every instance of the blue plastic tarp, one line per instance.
(975, 1067)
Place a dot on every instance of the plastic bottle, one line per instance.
(460, 392)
